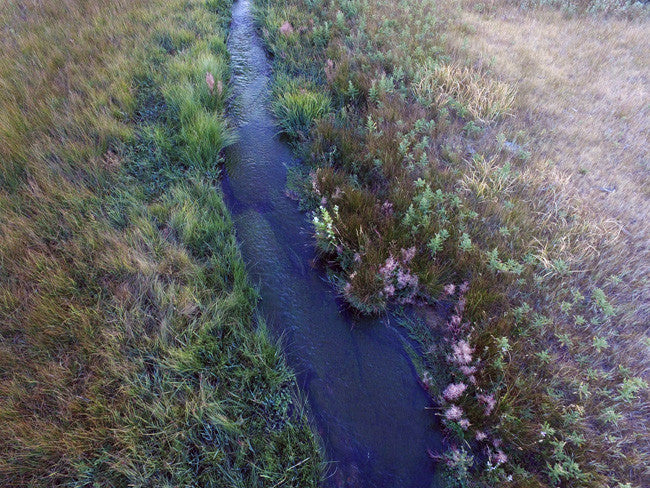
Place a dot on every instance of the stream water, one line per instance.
(362, 388)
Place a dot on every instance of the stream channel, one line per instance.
(360, 383)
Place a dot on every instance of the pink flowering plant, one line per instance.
(467, 408)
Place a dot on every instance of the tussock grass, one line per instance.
(540, 374)
(297, 108)
(130, 350)
(484, 99)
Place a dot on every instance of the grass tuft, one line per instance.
(484, 99)
(297, 109)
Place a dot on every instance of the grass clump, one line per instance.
(131, 352)
(298, 108)
(485, 99)
(423, 195)
(202, 138)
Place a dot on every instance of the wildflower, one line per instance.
(357, 257)
(286, 28)
(405, 278)
(468, 370)
(460, 306)
(347, 288)
(329, 70)
(500, 457)
(480, 435)
(314, 182)
(464, 287)
(389, 266)
(209, 79)
(449, 289)
(402, 278)
(219, 87)
(455, 320)
(462, 353)
(454, 413)
(488, 401)
(387, 208)
(454, 391)
(408, 254)
(464, 424)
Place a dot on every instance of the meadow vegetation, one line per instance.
(131, 353)
(425, 189)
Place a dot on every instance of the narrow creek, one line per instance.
(361, 386)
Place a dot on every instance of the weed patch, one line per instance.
(414, 203)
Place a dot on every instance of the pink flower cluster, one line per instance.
(329, 70)
(454, 391)
(454, 413)
(286, 28)
(488, 401)
(388, 268)
(398, 278)
(462, 353)
(427, 380)
(408, 254)
(461, 356)
(500, 458)
(209, 80)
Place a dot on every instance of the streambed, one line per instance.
(361, 385)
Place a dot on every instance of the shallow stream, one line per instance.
(361, 385)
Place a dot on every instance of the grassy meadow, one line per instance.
(131, 353)
(439, 141)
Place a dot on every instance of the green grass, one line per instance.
(413, 188)
(131, 351)
(297, 108)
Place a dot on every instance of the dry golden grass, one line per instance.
(583, 106)
(484, 99)
(583, 96)
(583, 84)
